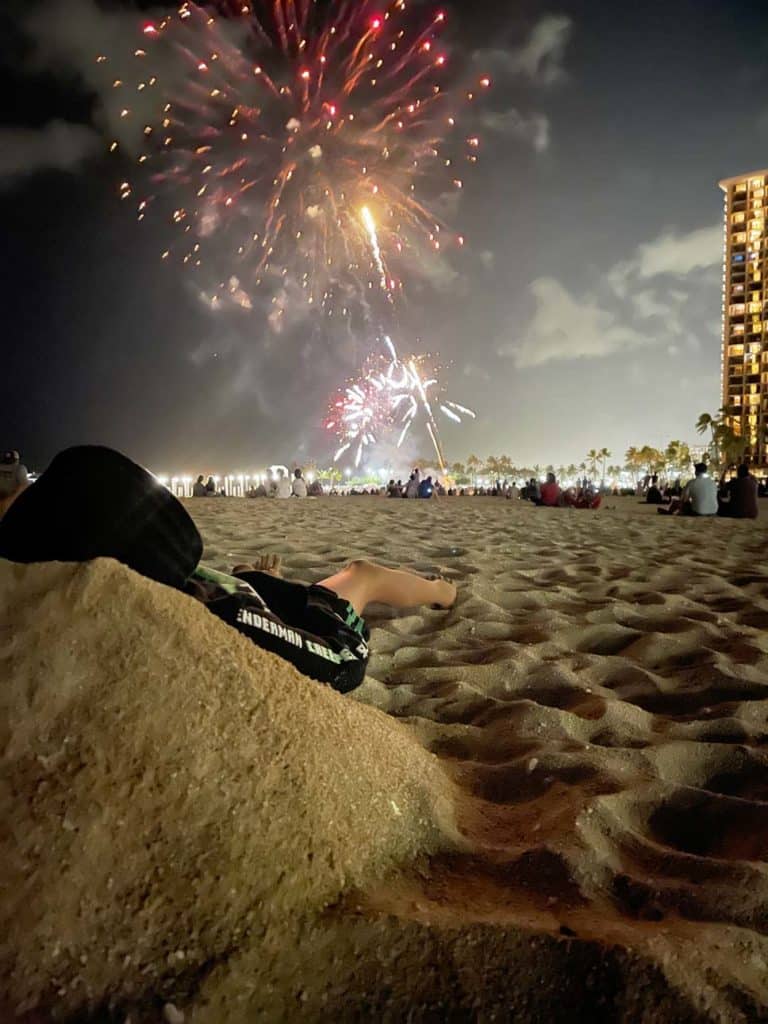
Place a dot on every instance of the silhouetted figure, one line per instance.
(739, 497)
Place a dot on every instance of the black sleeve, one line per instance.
(339, 659)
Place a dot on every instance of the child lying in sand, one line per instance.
(93, 502)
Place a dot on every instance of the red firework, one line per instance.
(279, 124)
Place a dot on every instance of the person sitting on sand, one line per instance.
(198, 488)
(412, 487)
(699, 497)
(281, 486)
(532, 491)
(583, 496)
(550, 492)
(653, 495)
(426, 489)
(121, 511)
(738, 499)
(315, 489)
(210, 487)
(299, 485)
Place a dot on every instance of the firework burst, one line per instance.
(390, 395)
(288, 131)
(360, 415)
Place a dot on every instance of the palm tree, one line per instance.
(714, 424)
(726, 444)
(473, 464)
(672, 454)
(506, 468)
(632, 459)
(729, 444)
(604, 455)
(706, 422)
(537, 471)
(651, 459)
(593, 457)
(678, 456)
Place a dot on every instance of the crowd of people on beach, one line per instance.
(735, 496)
(584, 494)
(281, 486)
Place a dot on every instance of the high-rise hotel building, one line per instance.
(745, 311)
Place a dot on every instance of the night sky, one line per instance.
(583, 312)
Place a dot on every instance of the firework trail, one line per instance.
(373, 235)
(286, 121)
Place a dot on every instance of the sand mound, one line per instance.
(170, 792)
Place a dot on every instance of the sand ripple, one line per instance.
(600, 697)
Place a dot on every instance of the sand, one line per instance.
(562, 813)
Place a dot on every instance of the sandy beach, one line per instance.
(549, 803)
